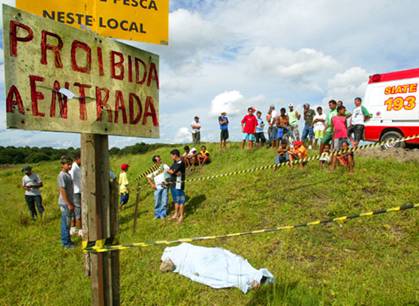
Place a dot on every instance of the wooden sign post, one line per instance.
(62, 79)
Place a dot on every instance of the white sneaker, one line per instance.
(73, 230)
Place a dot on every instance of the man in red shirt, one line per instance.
(249, 124)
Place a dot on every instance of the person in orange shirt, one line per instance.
(298, 152)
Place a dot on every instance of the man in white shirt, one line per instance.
(359, 115)
(319, 122)
(196, 130)
(158, 181)
(76, 177)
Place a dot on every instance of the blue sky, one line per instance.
(227, 55)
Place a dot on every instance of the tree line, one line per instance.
(29, 155)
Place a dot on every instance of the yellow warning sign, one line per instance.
(140, 20)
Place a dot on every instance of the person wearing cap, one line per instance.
(66, 200)
(196, 130)
(249, 124)
(123, 186)
(223, 121)
(158, 180)
(298, 152)
(293, 116)
(76, 177)
(31, 183)
(308, 125)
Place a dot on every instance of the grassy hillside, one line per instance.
(368, 261)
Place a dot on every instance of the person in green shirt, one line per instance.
(293, 116)
(329, 129)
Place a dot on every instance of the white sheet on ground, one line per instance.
(215, 267)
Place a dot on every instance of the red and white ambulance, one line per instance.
(393, 101)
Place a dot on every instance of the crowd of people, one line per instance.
(331, 132)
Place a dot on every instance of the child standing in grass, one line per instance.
(339, 126)
(65, 200)
(123, 186)
(31, 183)
(177, 171)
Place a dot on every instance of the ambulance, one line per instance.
(392, 99)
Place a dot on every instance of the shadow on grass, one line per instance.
(130, 216)
(283, 293)
(193, 203)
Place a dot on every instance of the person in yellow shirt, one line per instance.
(123, 186)
(203, 156)
(298, 152)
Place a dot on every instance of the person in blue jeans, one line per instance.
(31, 183)
(65, 200)
(158, 181)
(308, 130)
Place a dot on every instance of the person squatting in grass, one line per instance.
(177, 172)
(359, 116)
(65, 200)
(325, 157)
(282, 156)
(249, 123)
(345, 159)
(204, 156)
(123, 186)
(76, 177)
(158, 180)
(31, 183)
(260, 135)
(190, 156)
(298, 152)
(223, 122)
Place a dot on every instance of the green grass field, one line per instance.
(367, 261)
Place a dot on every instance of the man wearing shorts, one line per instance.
(329, 130)
(358, 118)
(308, 130)
(249, 124)
(223, 121)
(177, 172)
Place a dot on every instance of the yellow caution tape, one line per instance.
(100, 246)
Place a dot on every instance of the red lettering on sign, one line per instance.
(153, 70)
(36, 95)
(150, 111)
(137, 71)
(88, 64)
(120, 105)
(129, 68)
(14, 98)
(100, 61)
(102, 103)
(13, 38)
(62, 100)
(117, 64)
(82, 99)
(56, 49)
(133, 98)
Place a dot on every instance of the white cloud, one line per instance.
(348, 85)
(230, 102)
(183, 135)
